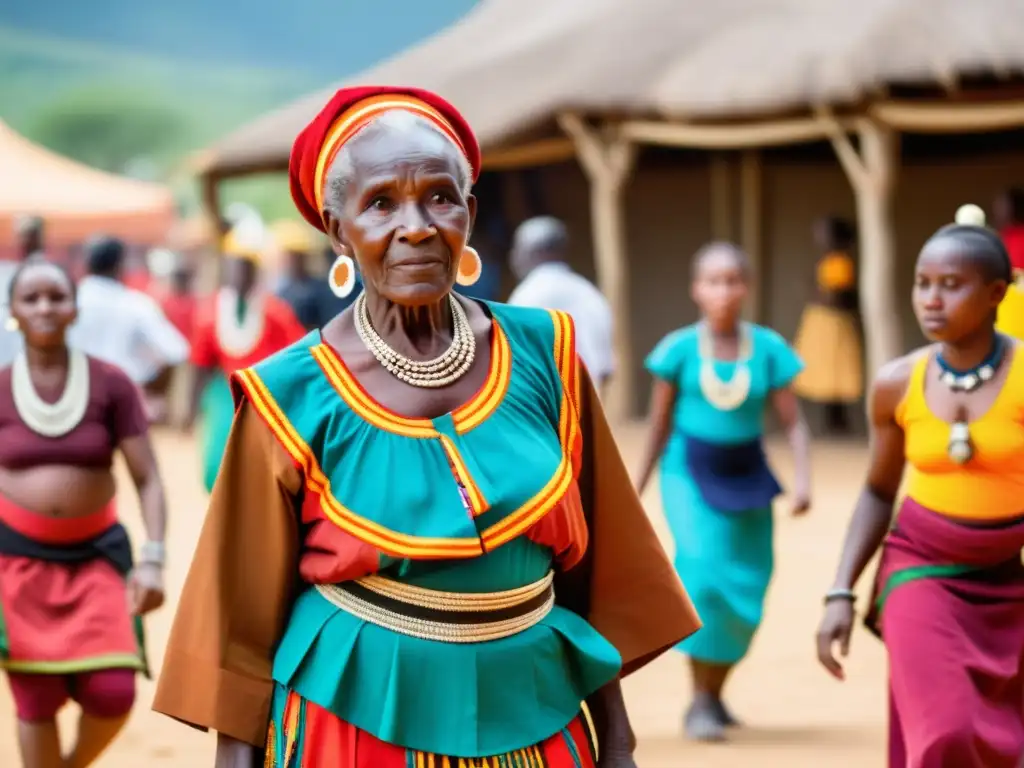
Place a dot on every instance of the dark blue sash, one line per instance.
(731, 478)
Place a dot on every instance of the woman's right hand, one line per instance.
(232, 753)
(835, 628)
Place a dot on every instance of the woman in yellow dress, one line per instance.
(828, 339)
(1009, 218)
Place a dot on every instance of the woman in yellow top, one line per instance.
(949, 595)
(1009, 218)
(828, 340)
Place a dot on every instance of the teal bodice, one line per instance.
(469, 502)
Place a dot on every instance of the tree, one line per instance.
(112, 128)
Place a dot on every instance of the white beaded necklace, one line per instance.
(429, 374)
(236, 338)
(51, 419)
(725, 395)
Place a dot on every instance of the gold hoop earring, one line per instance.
(470, 267)
(342, 277)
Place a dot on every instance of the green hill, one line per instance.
(134, 88)
(130, 113)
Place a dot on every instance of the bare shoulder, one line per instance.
(891, 380)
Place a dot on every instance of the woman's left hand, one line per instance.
(616, 760)
(145, 588)
(801, 504)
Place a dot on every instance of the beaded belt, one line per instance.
(448, 617)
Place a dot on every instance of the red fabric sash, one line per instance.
(56, 530)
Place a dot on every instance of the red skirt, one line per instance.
(950, 602)
(305, 735)
(64, 617)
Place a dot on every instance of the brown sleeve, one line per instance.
(625, 586)
(216, 670)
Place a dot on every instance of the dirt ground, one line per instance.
(795, 715)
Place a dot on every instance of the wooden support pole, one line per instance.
(608, 162)
(721, 196)
(872, 171)
(752, 228)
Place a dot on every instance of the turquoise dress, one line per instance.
(725, 559)
(218, 411)
(482, 499)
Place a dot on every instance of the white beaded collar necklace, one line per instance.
(51, 419)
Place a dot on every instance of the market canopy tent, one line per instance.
(74, 200)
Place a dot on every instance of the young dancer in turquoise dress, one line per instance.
(713, 382)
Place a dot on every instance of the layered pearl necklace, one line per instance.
(429, 374)
(51, 419)
(239, 338)
(725, 395)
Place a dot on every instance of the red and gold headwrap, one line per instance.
(348, 112)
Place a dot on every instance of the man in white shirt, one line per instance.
(122, 326)
(539, 262)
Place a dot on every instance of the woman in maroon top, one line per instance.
(69, 595)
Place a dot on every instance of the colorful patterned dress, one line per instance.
(388, 522)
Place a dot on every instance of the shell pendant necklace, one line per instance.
(239, 337)
(960, 448)
(725, 395)
(51, 419)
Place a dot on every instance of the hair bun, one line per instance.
(970, 215)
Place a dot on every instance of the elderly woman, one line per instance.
(423, 548)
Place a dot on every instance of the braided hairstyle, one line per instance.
(982, 246)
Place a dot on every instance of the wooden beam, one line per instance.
(872, 170)
(731, 136)
(943, 117)
(608, 161)
(752, 228)
(542, 152)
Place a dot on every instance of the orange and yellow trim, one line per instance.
(360, 401)
(533, 511)
(387, 541)
(292, 721)
(524, 518)
(357, 117)
(476, 498)
(466, 417)
(490, 395)
(568, 371)
(528, 757)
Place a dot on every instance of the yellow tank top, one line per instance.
(988, 487)
(836, 272)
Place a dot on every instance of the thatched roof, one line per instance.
(512, 65)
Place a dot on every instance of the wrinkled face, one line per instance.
(43, 303)
(720, 286)
(951, 297)
(405, 220)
